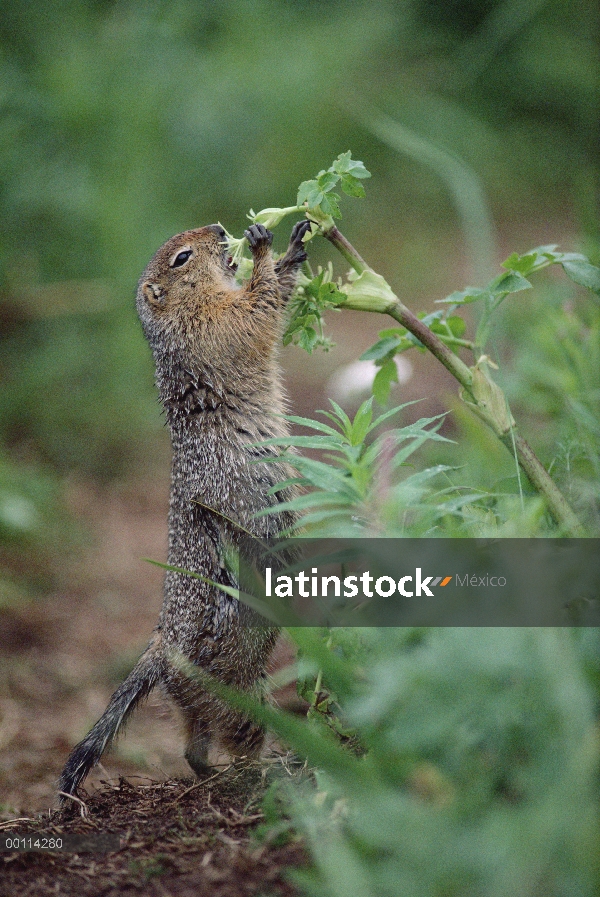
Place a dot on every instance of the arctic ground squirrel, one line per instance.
(215, 347)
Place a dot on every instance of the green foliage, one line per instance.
(575, 265)
(451, 328)
(312, 298)
(554, 378)
(345, 485)
(318, 193)
(314, 294)
(478, 771)
(395, 340)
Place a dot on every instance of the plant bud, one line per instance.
(272, 217)
(369, 292)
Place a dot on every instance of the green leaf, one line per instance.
(307, 339)
(327, 181)
(318, 193)
(316, 442)
(433, 316)
(322, 475)
(464, 297)
(390, 413)
(511, 282)
(438, 326)
(308, 191)
(307, 520)
(305, 326)
(456, 504)
(301, 502)
(457, 326)
(417, 481)
(352, 187)
(392, 331)
(329, 205)
(409, 449)
(345, 164)
(324, 292)
(569, 257)
(329, 295)
(583, 273)
(285, 484)
(547, 249)
(313, 424)
(342, 163)
(523, 264)
(384, 378)
(531, 261)
(339, 416)
(305, 320)
(361, 422)
(381, 348)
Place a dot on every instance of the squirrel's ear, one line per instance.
(154, 294)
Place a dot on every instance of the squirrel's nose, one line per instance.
(218, 230)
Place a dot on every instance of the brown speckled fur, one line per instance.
(215, 348)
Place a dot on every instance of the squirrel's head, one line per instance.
(182, 278)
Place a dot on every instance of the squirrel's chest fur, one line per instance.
(218, 484)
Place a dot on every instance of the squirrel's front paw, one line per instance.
(259, 238)
(297, 249)
(298, 231)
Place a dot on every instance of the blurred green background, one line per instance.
(123, 123)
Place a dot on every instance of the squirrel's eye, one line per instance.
(181, 258)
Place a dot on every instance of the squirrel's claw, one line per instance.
(258, 237)
(296, 253)
(298, 231)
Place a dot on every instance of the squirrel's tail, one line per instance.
(140, 682)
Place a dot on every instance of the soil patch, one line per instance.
(170, 838)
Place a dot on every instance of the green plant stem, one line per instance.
(543, 482)
(455, 341)
(347, 249)
(306, 268)
(431, 341)
(317, 689)
(533, 467)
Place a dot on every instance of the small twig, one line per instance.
(231, 842)
(240, 819)
(199, 785)
(82, 807)
(216, 812)
(11, 822)
(456, 341)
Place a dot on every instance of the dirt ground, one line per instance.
(63, 655)
(170, 838)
